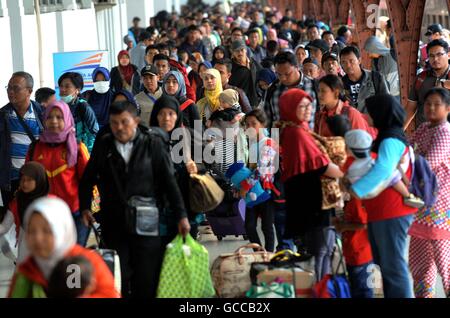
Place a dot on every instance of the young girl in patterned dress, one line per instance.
(429, 251)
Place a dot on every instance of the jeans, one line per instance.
(266, 211)
(82, 230)
(320, 243)
(359, 277)
(280, 224)
(388, 242)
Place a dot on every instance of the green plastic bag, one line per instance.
(185, 270)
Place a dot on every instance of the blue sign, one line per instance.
(83, 62)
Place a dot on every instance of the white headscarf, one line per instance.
(57, 214)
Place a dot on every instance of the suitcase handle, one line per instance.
(98, 236)
(252, 246)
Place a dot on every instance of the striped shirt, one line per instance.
(20, 140)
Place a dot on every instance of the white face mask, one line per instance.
(101, 87)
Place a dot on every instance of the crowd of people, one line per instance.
(110, 150)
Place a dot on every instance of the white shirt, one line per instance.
(124, 150)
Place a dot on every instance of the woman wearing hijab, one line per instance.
(86, 125)
(33, 185)
(166, 114)
(125, 75)
(101, 96)
(219, 52)
(50, 237)
(303, 165)
(63, 159)
(213, 87)
(173, 85)
(264, 78)
(388, 217)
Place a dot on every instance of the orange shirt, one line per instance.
(62, 179)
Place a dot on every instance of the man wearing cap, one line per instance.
(244, 70)
(330, 64)
(438, 75)
(146, 99)
(434, 32)
(317, 48)
(311, 68)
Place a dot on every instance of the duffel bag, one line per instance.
(231, 272)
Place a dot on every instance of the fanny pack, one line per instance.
(141, 213)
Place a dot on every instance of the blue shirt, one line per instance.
(20, 140)
(389, 154)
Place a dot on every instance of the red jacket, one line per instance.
(104, 287)
(356, 245)
(62, 179)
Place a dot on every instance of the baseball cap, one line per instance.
(318, 44)
(149, 70)
(329, 55)
(238, 44)
(359, 141)
(433, 29)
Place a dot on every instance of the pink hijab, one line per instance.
(68, 135)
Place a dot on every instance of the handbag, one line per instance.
(334, 149)
(205, 194)
(231, 272)
(185, 270)
(141, 213)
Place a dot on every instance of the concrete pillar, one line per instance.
(143, 9)
(16, 11)
(3, 8)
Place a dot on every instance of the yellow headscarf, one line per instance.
(213, 96)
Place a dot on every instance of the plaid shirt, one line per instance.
(274, 92)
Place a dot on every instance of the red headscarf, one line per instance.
(300, 152)
(126, 71)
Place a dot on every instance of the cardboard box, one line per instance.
(303, 280)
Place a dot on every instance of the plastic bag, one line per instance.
(185, 270)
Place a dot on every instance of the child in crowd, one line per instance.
(64, 273)
(228, 119)
(359, 143)
(33, 184)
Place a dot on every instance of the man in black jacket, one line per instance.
(128, 162)
(243, 73)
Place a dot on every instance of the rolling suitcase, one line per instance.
(228, 219)
(110, 257)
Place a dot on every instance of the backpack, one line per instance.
(421, 78)
(424, 183)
